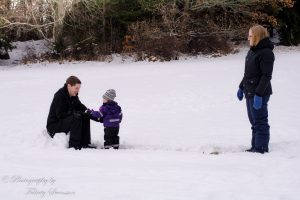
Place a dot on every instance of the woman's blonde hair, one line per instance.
(259, 32)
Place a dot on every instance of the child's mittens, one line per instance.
(95, 114)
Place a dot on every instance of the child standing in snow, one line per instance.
(110, 114)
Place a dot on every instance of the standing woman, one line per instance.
(256, 86)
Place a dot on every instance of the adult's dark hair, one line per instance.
(73, 80)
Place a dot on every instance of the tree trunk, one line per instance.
(58, 21)
(8, 4)
(104, 21)
(111, 35)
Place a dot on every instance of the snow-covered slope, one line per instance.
(175, 115)
(22, 50)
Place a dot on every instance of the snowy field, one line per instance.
(175, 115)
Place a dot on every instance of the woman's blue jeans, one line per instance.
(259, 124)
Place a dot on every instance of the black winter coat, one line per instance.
(63, 106)
(258, 69)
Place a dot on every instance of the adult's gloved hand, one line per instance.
(85, 114)
(257, 103)
(240, 94)
(88, 111)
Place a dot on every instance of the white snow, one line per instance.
(175, 115)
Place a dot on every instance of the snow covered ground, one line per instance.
(175, 115)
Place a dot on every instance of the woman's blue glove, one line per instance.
(240, 94)
(257, 102)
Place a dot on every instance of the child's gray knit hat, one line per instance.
(110, 94)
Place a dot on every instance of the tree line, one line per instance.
(164, 29)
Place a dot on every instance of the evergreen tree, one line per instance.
(5, 46)
(290, 25)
